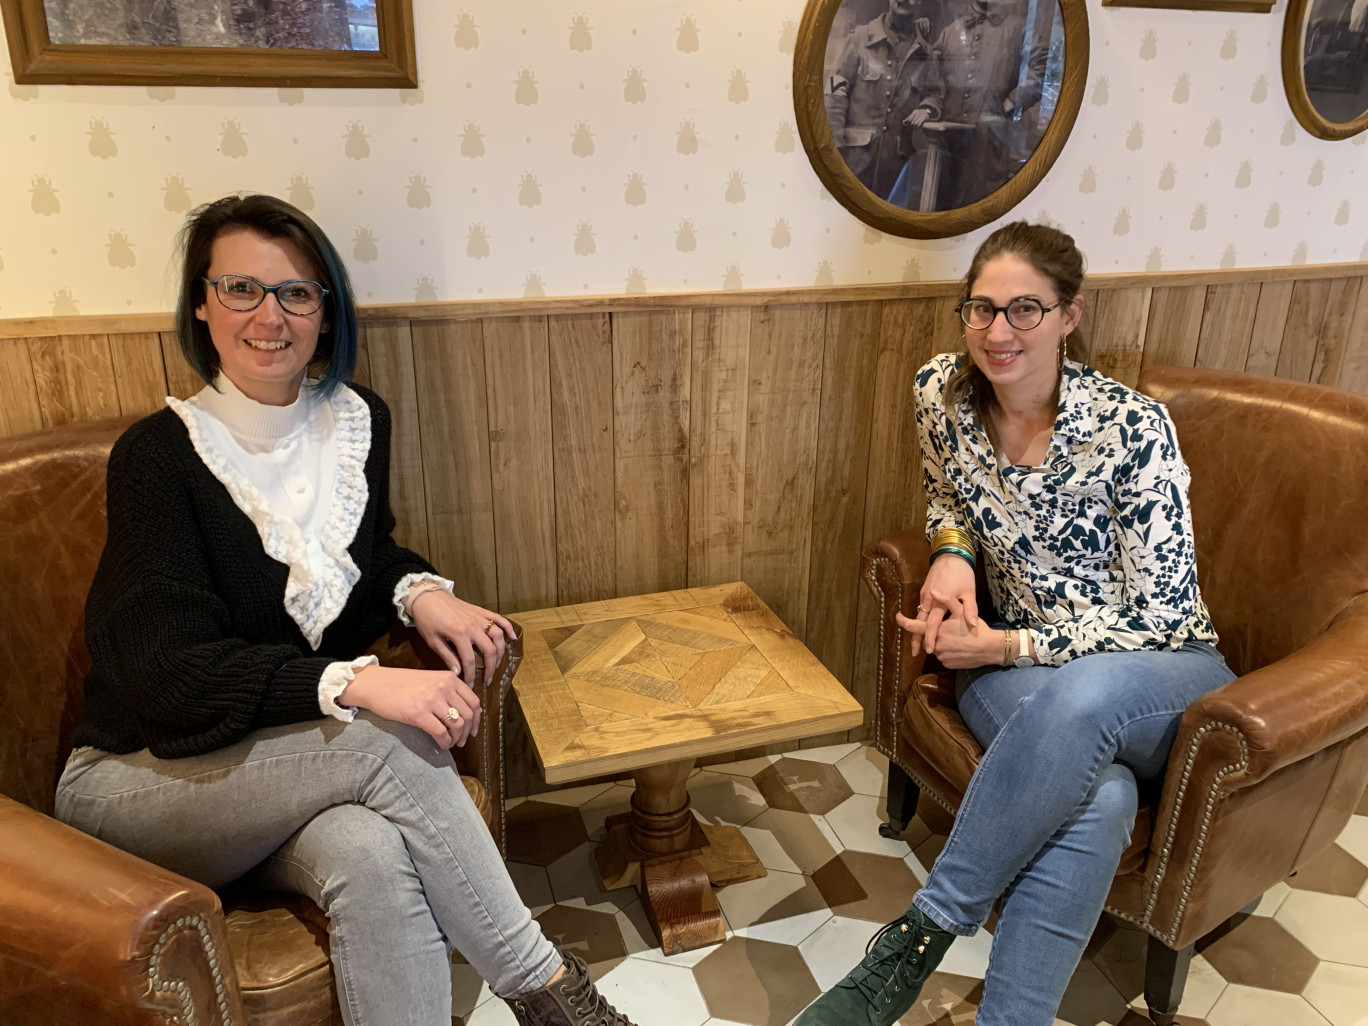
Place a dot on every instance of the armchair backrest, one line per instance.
(1279, 503)
(52, 522)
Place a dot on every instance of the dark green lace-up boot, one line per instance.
(887, 981)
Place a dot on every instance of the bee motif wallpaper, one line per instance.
(609, 146)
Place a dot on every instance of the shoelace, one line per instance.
(880, 971)
(584, 997)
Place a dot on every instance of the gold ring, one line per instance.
(489, 626)
(454, 715)
(923, 609)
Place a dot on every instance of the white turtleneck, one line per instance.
(298, 472)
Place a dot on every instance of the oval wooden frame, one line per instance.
(1294, 81)
(841, 182)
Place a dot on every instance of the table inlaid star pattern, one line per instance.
(617, 685)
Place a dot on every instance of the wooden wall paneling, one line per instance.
(139, 374)
(1175, 324)
(947, 329)
(783, 407)
(850, 352)
(181, 380)
(391, 348)
(894, 499)
(361, 372)
(1333, 339)
(1305, 314)
(720, 362)
(1115, 332)
(1353, 372)
(19, 409)
(651, 383)
(1228, 326)
(518, 390)
(1270, 321)
(581, 362)
(74, 377)
(449, 358)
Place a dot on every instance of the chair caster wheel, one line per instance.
(893, 830)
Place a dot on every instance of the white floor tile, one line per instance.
(575, 881)
(1354, 838)
(608, 802)
(492, 1013)
(968, 956)
(830, 755)
(744, 768)
(722, 798)
(1250, 1006)
(1340, 993)
(651, 994)
(866, 770)
(746, 903)
(792, 842)
(792, 930)
(1334, 928)
(573, 795)
(1272, 899)
(835, 949)
(856, 822)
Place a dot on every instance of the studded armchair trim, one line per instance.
(176, 988)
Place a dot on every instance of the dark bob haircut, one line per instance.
(335, 358)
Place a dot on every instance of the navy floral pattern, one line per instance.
(1092, 550)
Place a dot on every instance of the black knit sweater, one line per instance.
(186, 622)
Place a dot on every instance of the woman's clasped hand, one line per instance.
(947, 624)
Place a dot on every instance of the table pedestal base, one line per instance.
(662, 849)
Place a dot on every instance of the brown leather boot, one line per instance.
(573, 1000)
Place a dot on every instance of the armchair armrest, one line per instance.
(90, 933)
(1264, 773)
(483, 757)
(894, 568)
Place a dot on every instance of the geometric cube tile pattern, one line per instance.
(812, 817)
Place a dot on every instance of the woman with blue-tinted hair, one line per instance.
(233, 723)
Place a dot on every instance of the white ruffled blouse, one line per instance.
(299, 474)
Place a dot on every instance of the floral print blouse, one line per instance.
(1091, 551)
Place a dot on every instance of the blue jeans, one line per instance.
(368, 819)
(1051, 807)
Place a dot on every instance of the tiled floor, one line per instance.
(812, 817)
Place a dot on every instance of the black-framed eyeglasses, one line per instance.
(240, 292)
(1023, 313)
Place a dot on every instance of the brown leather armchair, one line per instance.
(1266, 770)
(89, 933)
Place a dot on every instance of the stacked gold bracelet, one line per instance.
(953, 540)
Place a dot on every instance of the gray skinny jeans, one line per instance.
(368, 819)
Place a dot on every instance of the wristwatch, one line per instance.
(1023, 651)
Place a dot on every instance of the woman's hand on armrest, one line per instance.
(422, 698)
(454, 629)
(950, 592)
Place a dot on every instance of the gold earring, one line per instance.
(1063, 348)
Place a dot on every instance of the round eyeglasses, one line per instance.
(1023, 313)
(300, 297)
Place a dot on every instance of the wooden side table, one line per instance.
(648, 684)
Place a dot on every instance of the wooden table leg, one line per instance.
(673, 859)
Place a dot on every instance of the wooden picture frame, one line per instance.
(1294, 80)
(848, 190)
(1228, 6)
(37, 60)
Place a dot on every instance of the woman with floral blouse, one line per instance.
(1070, 488)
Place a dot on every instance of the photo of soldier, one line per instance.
(881, 85)
(992, 65)
(293, 24)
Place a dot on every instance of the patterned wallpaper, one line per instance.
(606, 146)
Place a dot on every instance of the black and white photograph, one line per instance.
(1335, 58)
(276, 24)
(936, 104)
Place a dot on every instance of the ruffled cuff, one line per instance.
(335, 680)
(406, 582)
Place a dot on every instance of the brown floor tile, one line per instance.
(1259, 952)
(800, 837)
(799, 785)
(1362, 809)
(946, 1000)
(859, 885)
(1134, 1018)
(539, 833)
(1102, 932)
(936, 816)
(929, 849)
(755, 982)
(1332, 871)
(594, 936)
